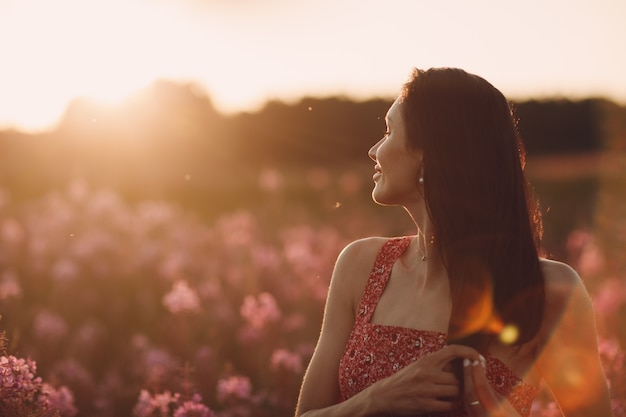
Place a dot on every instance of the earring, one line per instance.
(421, 180)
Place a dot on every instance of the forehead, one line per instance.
(394, 114)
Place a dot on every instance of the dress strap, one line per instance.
(381, 271)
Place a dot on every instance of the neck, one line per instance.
(425, 242)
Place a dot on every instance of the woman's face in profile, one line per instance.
(397, 167)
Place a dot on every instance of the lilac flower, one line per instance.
(64, 271)
(351, 183)
(270, 180)
(12, 232)
(318, 178)
(591, 259)
(181, 299)
(49, 326)
(9, 286)
(72, 372)
(260, 310)
(24, 394)
(144, 406)
(608, 299)
(161, 404)
(210, 289)
(89, 334)
(78, 191)
(157, 363)
(17, 378)
(193, 409)
(236, 230)
(284, 359)
(60, 399)
(234, 387)
(147, 404)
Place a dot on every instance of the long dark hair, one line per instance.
(486, 221)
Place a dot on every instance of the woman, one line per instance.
(464, 318)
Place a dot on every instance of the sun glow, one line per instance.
(70, 48)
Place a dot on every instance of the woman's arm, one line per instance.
(320, 387)
(569, 362)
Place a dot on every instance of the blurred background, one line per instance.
(178, 177)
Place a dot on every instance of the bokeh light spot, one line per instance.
(509, 334)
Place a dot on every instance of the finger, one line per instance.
(447, 391)
(445, 378)
(446, 354)
(471, 400)
(488, 398)
(440, 404)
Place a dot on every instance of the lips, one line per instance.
(378, 172)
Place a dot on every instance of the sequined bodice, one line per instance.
(374, 351)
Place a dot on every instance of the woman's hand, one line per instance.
(427, 385)
(479, 398)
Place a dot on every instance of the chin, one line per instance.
(383, 200)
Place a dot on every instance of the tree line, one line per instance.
(158, 140)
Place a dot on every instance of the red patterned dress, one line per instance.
(374, 351)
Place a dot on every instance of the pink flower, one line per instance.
(193, 409)
(318, 178)
(60, 399)
(50, 326)
(71, 372)
(144, 406)
(12, 232)
(236, 230)
(158, 363)
(591, 259)
(260, 310)
(161, 404)
(64, 271)
(270, 180)
(210, 289)
(609, 297)
(17, 378)
(351, 183)
(9, 286)
(283, 359)
(234, 387)
(181, 299)
(266, 257)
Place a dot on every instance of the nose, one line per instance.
(372, 152)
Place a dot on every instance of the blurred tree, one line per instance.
(561, 126)
(169, 141)
(314, 131)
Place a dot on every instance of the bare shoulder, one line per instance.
(354, 265)
(358, 257)
(361, 250)
(562, 281)
(567, 301)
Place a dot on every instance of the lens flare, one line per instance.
(579, 370)
(509, 334)
(476, 312)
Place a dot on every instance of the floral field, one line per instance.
(113, 308)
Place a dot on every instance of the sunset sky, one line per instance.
(243, 52)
